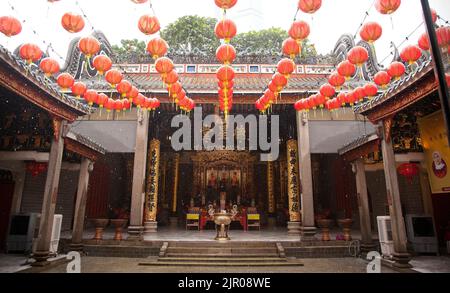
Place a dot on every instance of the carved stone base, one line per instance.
(294, 229)
(150, 228)
(41, 258)
(308, 233)
(78, 247)
(368, 247)
(401, 260)
(135, 233)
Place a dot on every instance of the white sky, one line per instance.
(118, 19)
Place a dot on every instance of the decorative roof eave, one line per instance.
(83, 146)
(360, 147)
(403, 93)
(27, 82)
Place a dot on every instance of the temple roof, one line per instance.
(35, 76)
(86, 141)
(358, 143)
(396, 87)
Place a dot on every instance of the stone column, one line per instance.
(151, 201)
(363, 205)
(19, 182)
(306, 182)
(42, 252)
(401, 255)
(138, 189)
(80, 205)
(293, 188)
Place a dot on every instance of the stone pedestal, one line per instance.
(150, 228)
(308, 233)
(78, 247)
(368, 247)
(401, 260)
(294, 229)
(135, 233)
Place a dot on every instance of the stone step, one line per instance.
(218, 250)
(221, 245)
(223, 264)
(223, 260)
(220, 256)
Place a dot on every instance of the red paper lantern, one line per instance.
(171, 78)
(139, 100)
(225, 4)
(164, 65)
(320, 100)
(370, 90)
(10, 26)
(89, 46)
(299, 30)
(157, 48)
(226, 84)
(73, 23)
(102, 99)
(226, 54)
(408, 170)
(411, 54)
(443, 36)
(336, 80)
(286, 67)
(49, 66)
(447, 77)
(149, 25)
(343, 98)
(36, 168)
(110, 105)
(309, 6)
(371, 32)
(358, 56)
(65, 81)
(291, 48)
(30, 53)
(226, 30)
(280, 81)
(176, 88)
(118, 105)
(396, 70)
(113, 77)
(424, 42)
(139, 1)
(225, 73)
(78, 89)
(346, 69)
(327, 91)
(90, 96)
(102, 63)
(382, 79)
(387, 6)
(133, 93)
(124, 87)
(360, 94)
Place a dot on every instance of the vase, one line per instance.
(325, 225)
(100, 225)
(346, 225)
(118, 225)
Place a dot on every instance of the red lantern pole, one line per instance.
(439, 70)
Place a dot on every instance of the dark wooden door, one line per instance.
(6, 195)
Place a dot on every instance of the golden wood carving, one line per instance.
(387, 129)
(176, 167)
(151, 195)
(293, 180)
(408, 94)
(270, 187)
(57, 128)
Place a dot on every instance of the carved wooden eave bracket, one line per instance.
(80, 149)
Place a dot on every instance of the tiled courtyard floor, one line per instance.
(127, 265)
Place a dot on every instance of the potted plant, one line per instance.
(100, 225)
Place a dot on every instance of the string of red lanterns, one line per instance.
(225, 30)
